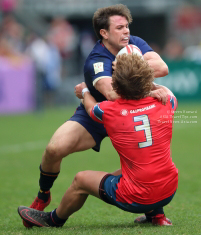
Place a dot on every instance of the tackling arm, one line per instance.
(156, 62)
(104, 86)
(156, 87)
(88, 100)
(160, 92)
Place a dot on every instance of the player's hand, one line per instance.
(114, 65)
(160, 94)
(78, 89)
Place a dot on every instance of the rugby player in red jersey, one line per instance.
(140, 129)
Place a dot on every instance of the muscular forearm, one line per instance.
(111, 95)
(160, 68)
(157, 64)
(104, 86)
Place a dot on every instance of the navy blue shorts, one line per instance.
(96, 129)
(107, 192)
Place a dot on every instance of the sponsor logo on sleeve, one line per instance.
(98, 67)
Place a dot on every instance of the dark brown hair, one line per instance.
(133, 77)
(102, 15)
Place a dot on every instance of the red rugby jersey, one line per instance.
(141, 132)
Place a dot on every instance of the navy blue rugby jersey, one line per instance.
(99, 64)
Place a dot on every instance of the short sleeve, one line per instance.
(99, 68)
(173, 102)
(98, 111)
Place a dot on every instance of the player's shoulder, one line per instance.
(170, 105)
(99, 54)
(106, 104)
(101, 109)
(135, 39)
(139, 42)
(99, 51)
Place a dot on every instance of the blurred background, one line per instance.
(43, 46)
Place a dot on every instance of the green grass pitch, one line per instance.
(22, 142)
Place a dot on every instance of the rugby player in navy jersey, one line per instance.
(80, 132)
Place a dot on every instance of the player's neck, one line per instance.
(110, 48)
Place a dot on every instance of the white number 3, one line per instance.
(146, 128)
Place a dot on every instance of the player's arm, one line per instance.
(160, 92)
(90, 104)
(156, 62)
(156, 87)
(104, 86)
(88, 100)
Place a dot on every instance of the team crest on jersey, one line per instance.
(124, 112)
(98, 67)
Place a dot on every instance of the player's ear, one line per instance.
(103, 33)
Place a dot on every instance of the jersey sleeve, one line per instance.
(173, 102)
(99, 68)
(98, 111)
(139, 42)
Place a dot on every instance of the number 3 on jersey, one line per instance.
(144, 127)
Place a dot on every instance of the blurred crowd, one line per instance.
(59, 53)
(184, 35)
